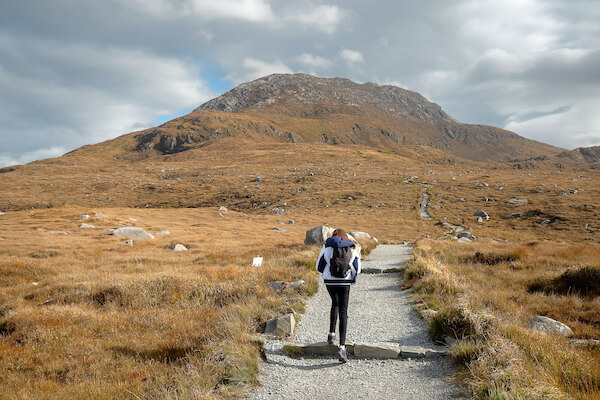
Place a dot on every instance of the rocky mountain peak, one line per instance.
(307, 95)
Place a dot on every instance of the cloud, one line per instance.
(324, 17)
(315, 62)
(249, 10)
(58, 96)
(352, 56)
(255, 68)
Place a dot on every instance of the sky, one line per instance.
(76, 72)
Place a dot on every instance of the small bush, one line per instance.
(450, 321)
(465, 351)
(584, 281)
(490, 259)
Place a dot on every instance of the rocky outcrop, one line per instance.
(549, 325)
(318, 235)
(131, 232)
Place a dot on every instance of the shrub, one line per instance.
(584, 281)
(450, 321)
(490, 259)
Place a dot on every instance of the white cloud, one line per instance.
(255, 68)
(249, 10)
(66, 96)
(325, 18)
(22, 158)
(352, 56)
(314, 62)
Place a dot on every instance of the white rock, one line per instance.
(318, 235)
(84, 217)
(463, 240)
(362, 235)
(88, 226)
(482, 214)
(2, 213)
(549, 325)
(128, 241)
(109, 230)
(132, 232)
(162, 233)
(517, 201)
(57, 233)
(99, 215)
(178, 247)
(133, 219)
(222, 208)
(280, 327)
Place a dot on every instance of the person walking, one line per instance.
(339, 263)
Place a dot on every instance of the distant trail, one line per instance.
(423, 206)
(378, 311)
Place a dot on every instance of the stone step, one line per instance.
(379, 350)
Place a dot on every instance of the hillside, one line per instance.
(303, 108)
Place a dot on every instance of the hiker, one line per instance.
(339, 262)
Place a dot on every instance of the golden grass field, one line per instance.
(106, 320)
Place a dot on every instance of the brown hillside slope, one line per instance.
(304, 108)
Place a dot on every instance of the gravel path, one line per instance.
(378, 311)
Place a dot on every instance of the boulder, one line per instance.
(83, 217)
(318, 235)
(467, 235)
(222, 208)
(482, 214)
(549, 325)
(279, 211)
(515, 215)
(463, 240)
(412, 352)
(377, 350)
(132, 232)
(162, 233)
(88, 226)
(280, 327)
(517, 201)
(178, 247)
(362, 236)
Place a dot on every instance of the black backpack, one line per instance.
(340, 261)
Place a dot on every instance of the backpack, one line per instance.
(339, 265)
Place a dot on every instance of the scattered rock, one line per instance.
(109, 230)
(2, 213)
(280, 327)
(318, 235)
(291, 221)
(585, 342)
(278, 286)
(545, 222)
(515, 215)
(380, 350)
(129, 242)
(362, 236)
(258, 179)
(480, 220)
(88, 226)
(281, 205)
(222, 208)
(434, 207)
(467, 235)
(462, 240)
(84, 217)
(549, 325)
(412, 352)
(162, 233)
(279, 211)
(517, 201)
(178, 247)
(57, 233)
(462, 199)
(279, 230)
(132, 232)
(99, 215)
(482, 214)
(132, 219)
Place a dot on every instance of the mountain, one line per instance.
(590, 155)
(303, 108)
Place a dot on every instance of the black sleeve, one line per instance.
(322, 264)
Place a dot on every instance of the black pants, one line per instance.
(339, 306)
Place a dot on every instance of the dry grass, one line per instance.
(87, 316)
(481, 295)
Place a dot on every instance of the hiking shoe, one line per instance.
(330, 338)
(342, 355)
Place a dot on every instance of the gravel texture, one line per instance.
(378, 312)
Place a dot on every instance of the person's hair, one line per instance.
(340, 232)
